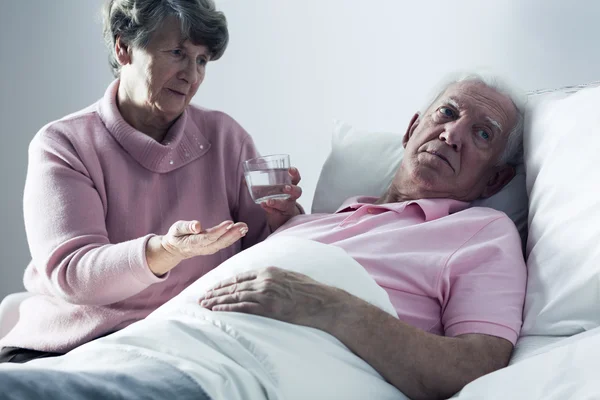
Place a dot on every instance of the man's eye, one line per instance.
(201, 61)
(177, 52)
(483, 134)
(446, 112)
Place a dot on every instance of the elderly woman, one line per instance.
(133, 198)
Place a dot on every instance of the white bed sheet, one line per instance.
(548, 368)
(243, 356)
(528, 346)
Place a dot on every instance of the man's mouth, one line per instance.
(435, 153)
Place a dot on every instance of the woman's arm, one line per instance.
(65, 225)
(73, 257)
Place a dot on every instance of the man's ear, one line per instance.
(500, 178)
(122, 52)
(414, 122)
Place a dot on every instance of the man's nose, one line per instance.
(453, 134)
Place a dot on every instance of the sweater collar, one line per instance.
(182, 144)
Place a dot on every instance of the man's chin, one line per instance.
(441, 174)
(431, 179)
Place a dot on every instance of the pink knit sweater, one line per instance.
(96, 191)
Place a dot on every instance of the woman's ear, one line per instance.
(122, 52)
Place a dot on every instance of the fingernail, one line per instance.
(287, 188)
(271, 202)
(293, 169)
(243, 231)
(230, 226)
(203, 303)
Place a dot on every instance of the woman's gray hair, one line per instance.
(134, 21)
(513, 152)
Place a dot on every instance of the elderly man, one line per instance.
(455, 274)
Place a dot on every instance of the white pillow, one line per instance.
(562, 146)
(364, 163)
(360, 163)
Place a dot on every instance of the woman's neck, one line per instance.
(142, 119)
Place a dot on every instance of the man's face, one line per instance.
(452, 151)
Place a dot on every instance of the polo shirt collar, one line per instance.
(432, 208)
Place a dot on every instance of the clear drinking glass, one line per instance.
(267, 176)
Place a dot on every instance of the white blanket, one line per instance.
(567, 369)
(240, 356)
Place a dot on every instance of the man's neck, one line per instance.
(394, 194)
(403, 189)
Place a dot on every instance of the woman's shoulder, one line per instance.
(69, 128)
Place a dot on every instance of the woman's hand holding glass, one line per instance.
(279, 210)
(274, 185)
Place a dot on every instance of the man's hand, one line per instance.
(279, 294)
(280, 211)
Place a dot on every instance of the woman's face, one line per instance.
(163, 77)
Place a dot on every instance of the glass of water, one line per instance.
(267, 176)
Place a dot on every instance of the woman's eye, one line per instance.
(483, 134)
(202, 61)
(177, 52)
(446, 112)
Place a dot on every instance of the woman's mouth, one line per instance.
(175, 92)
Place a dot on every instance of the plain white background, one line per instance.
(291, 67)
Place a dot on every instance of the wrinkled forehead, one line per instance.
(482, 101)
(170, 32)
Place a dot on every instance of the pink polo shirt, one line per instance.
(448, 269)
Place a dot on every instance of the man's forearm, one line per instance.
(420, 364)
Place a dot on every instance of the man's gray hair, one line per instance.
(513, 152)
(134, 21)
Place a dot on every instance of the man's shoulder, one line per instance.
(485, 224)
(481, 213)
